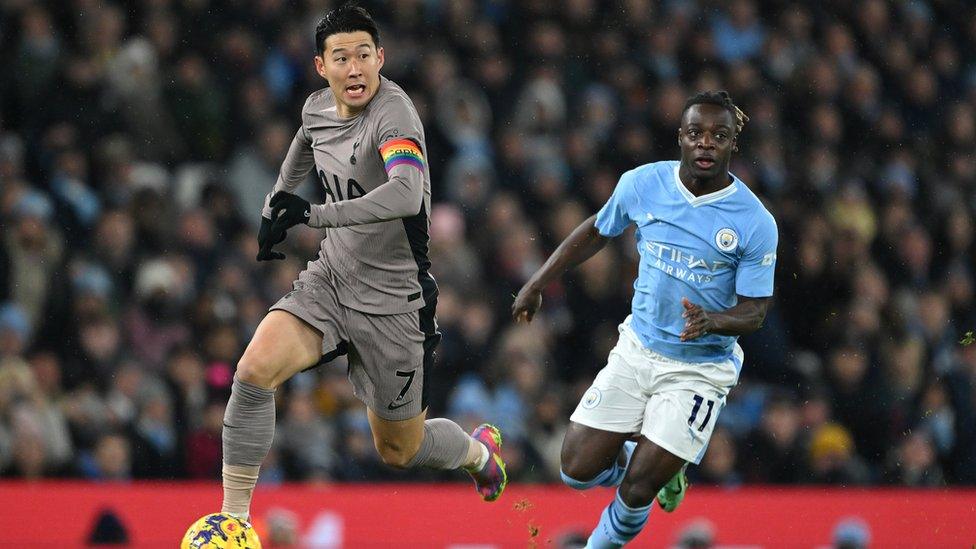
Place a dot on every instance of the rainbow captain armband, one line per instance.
(398, 152)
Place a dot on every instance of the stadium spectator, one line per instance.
(719, 465)
(110, 459)
(773, 453)
(202, 454)
(913, 462)
(833, 458)
(306, 440)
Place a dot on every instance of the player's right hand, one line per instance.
(267, 238)
(527, 304)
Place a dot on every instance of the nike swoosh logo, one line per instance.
(390, 406)
(332, 108)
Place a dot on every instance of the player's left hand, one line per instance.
(527, 304)
(288, 210)
(267, 240)
(697, 321)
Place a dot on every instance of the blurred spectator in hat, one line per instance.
(833, 459)
(34, 251)
(15, 330)
(78, 205)
(92, 289)
(136, 94)
(153, 324)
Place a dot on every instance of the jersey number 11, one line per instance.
(694, 413)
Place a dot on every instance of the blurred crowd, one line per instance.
(138, 139)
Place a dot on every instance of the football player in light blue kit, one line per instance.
(707, 258)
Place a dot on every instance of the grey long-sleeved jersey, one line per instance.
(373, 169)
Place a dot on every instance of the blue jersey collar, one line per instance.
(696, 201)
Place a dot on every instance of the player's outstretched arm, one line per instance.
(746, 317)
(584, 242)
(401, 196)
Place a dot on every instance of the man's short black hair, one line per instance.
(346, 18)
(722, 99)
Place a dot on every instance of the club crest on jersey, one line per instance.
(592, 398)
(726, 239)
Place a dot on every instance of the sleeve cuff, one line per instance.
(323, 216)
(266, 209)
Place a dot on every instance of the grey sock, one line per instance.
(249, 423)
(445, 445)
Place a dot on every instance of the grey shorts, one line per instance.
(390, 356)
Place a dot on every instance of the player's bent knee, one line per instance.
(638, 493)
(578, 467)
(282, 346)
(575, 483)
(258, 372)
(577, 473)
(641, 483)
(395, 455)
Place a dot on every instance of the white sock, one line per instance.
(239, 481)
(482, 461)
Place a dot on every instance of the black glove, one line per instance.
(288, 210)
(267, 238)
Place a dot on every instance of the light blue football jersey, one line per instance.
(707, 248)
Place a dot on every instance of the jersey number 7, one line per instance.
(406, 387)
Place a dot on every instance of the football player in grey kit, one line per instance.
(369, 293)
